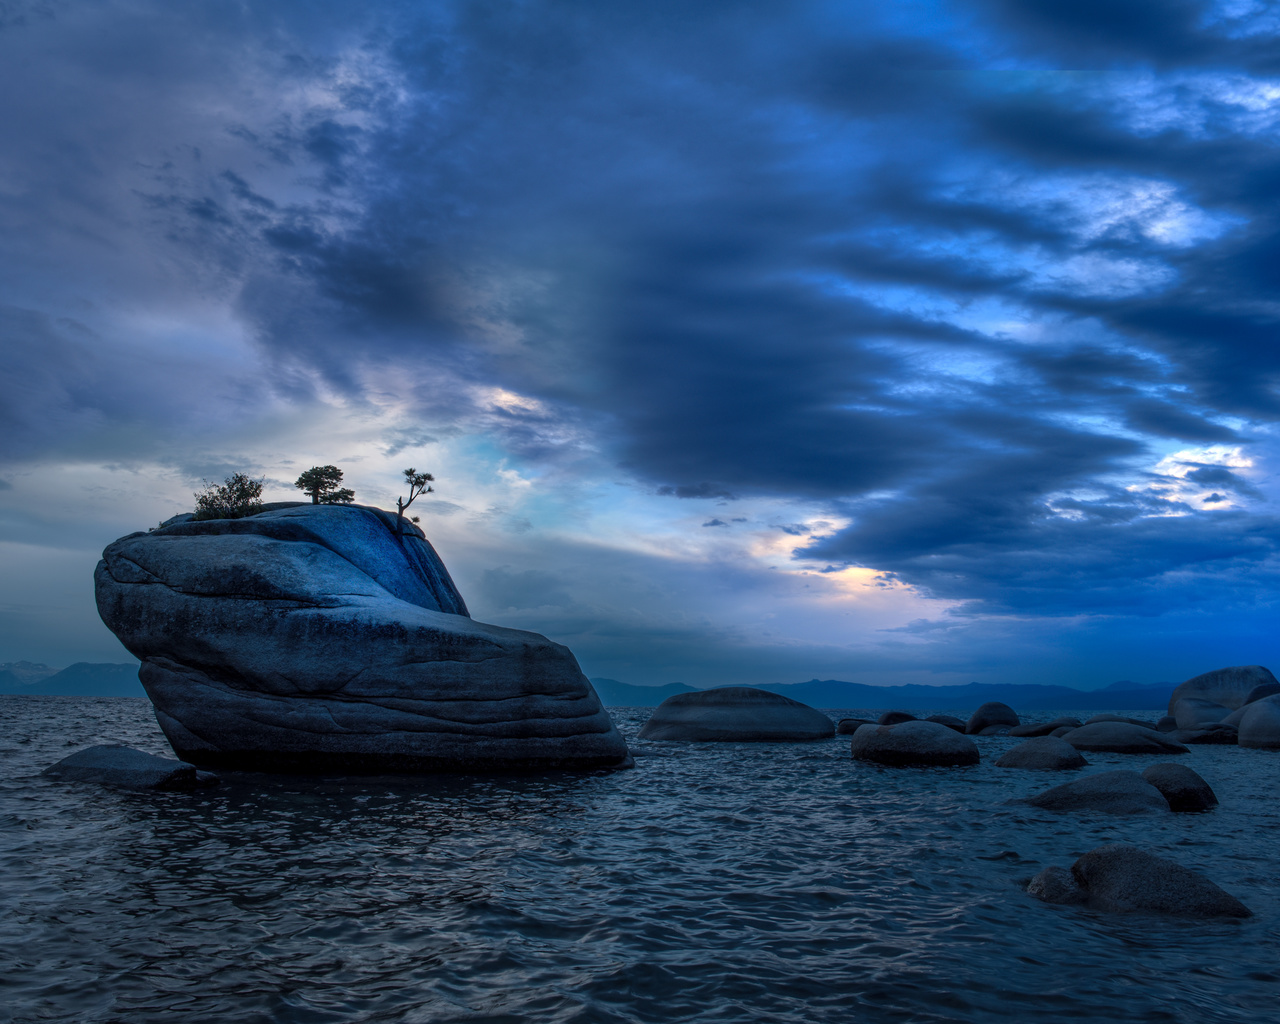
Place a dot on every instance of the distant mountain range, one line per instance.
(80, 680)
(835, 693)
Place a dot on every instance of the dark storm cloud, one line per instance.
(787, 250)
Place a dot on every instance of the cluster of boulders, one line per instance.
(1162, 787)
(1238, 705)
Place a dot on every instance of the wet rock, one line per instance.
(1125, 879)
(1056, 885)
(736, 714)
(1108, 717)
(326, 639)
(1196, 712)
(125, 768)
(1044, 728)
(1042, 752)
(913, 743)
(1117, 792)
(1230, 687)
(206, 779)
(1184, 789)
(848, 726)
(895, 717)
(1167, 724)
(1216, 733)
(1122, 738)
(1062, 730)
(1260, 726)
(991, 713)
(950, 721)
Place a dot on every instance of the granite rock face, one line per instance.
(736, 714)
(1230, 687)
(315, 638)
(124, 768)
(913, 743)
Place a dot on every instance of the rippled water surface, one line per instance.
(716, 882)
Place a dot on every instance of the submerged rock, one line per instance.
(1117, 792)
(317, 638)
(1183, 789)
(1230, 687)
(1124, 879)
(1122, 738)
(1196, 712)
(1056, 885)
(950, 721)
(125, 768)
(1042, 752)
(1045, 728)
(1260, 726)
(913, 743)
(736, 714)
(991, 713)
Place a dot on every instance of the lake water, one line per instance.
(716, 883)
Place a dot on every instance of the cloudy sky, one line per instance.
(924, 341)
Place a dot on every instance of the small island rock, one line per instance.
(1184, 789)
(1122, 738)
(913, 743)
(125, 768)
(736, 714)
(1042, 752)
(991, 713)
(1125, 879)
(1116, 792)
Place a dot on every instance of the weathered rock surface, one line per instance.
(1117, 792)
(1260, 726)
(1042, 752)
(950, 721)
(1124, 879)
(736, 714)
(848, 726)
(125, 768)
(895, 717)
(1184, 789)
(991, 713)
(1056, 885)
(1062, 730)
(1122, 738)
(1237, 716)
(1260, 691)
(315, 638)
(913, 743)
(1196, 712)
(1227, 686)
(1045, 728)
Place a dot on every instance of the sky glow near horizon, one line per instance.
(925, 342)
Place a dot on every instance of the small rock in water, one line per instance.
(124, 767)
(1122, 738)
(913, 743)
(1042, 752)
(1124, 879)
(1260, 726)
(1182, 788)
(1117, 792)
(1056, 885)
(736, 714)
(1196, 713)
(848, 726)
(895, 718)
(950, 721)
(1045, 728)
(991, 713)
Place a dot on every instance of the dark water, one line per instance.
(713, 883)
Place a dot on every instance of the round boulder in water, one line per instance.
(736, 714)
(1118, 792)
(848, 726)
(1042, 752)
(1184, 789)
(913, 743)
(1228, 686)
(1044, 728)
(1122, 738)
(1124, 879)
(1260, 726)
(895, 718)
(1056, 885)
(991, 713)
(950, 721)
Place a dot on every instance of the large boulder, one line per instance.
(1237, 716)
(1260, 726)
(1196, 712)
(1124, 879)
(1184, 789)
(913, 743)
(124, 768)
(326, 638)
(1117, 792)
(1122, 738)
(1230, 687)
(895, 718)
(1042, 752)
(736, 714)
(991, 713)
(950, 721)
(848, 726)
(1044, 728)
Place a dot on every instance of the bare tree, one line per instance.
(321, 482)
(419, 484)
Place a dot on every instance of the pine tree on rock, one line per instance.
(321, 482)
(419, 484)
